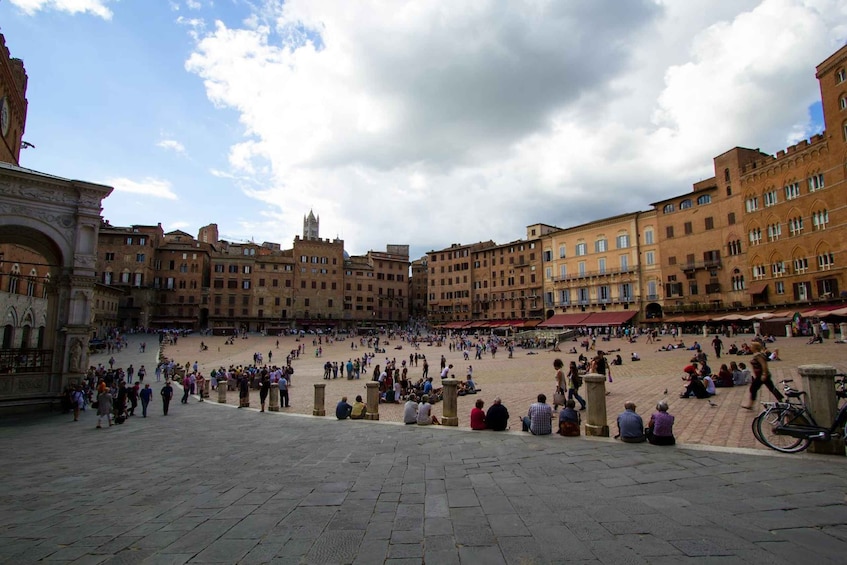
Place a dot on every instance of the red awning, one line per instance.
(531, 323)
(564, 320)
(609, 318)
(758, 288)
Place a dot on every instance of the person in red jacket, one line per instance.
(478, 415)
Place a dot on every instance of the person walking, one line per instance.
(77, 401)
(574, 381)
(167, 393)
(186, 389)
(761, 376)
(146, 395)
(104, 404)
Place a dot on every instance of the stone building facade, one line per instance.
(506, 281)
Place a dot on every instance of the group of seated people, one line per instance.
(658, 432)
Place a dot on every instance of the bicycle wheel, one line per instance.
(767, 422)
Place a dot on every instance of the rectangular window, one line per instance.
(650, 258)
(730, 218)
(689, 229)
(548, 273)
(755, 236)
(622, 241)
(601, 265)
(581, 249)
(669, 232)
(624, 263)
(563, 272)
(600, 246)
(752, 204)
(779, 287)
(581, 268)
(648, 237)
(795, 225)
(778, 269)
(759, 272)
(547, 255)
(139, 257)
(710, 223)
(672, 260)
(582, 295)
(604, 293)
(562, 252)
(801, 265)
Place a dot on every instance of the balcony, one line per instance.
(702, 265)
(595, 274)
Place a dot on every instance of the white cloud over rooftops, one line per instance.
(156, 188)
(442, 121)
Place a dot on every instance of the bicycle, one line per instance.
(789, 426)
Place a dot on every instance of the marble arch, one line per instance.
(60, 219)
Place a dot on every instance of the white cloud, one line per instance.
(193, 4)
(96, 7)
(172, 145)
(438, 122)
(157, 188)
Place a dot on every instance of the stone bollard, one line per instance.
(819, 384)
(788, 331)
(207, 386)
(320, 396)
(222, 391)
(450, 403)
(273, 404)
(596, 424)
(843, 329)
(372, 401)
(816, 329)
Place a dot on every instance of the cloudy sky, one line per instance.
(421, 123)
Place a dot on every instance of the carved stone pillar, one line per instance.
(222, 391)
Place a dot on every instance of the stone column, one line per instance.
(372, 401)
(757, 327)
(222, 391)
(843, 329)
(816, 329)
(596, 423)
(788, 332)
(450, 403)
(819, 384)
(273, 405)
(207, 386)
(320, 395)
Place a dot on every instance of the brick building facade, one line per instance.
(13, 105)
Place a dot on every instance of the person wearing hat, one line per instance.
(630, 425)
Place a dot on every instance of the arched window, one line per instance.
(704, 199)
(726, 175)
(667, 209)
(685, 204)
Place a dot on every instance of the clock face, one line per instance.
(4, 116)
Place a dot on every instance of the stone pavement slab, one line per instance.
(213, 484)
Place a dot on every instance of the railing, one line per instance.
(590, 274)
(696, 265)
(25, 360)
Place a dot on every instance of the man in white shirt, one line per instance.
(446, 371)
(410, 410)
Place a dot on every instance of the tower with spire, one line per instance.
(311, 226)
